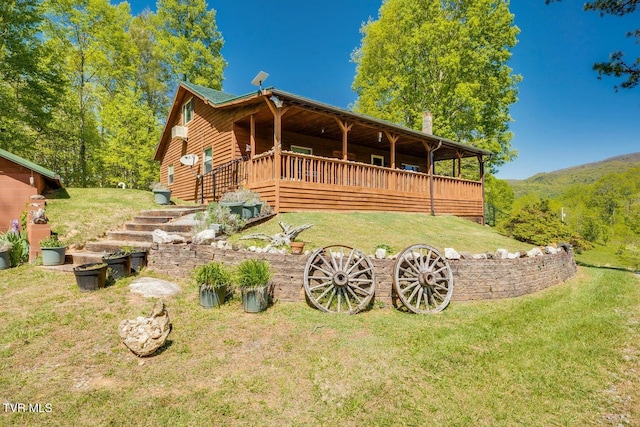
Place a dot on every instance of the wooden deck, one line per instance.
(299, 182)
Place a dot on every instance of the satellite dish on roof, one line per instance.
(189, 159)
(261, 77)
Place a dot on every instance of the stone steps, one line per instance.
(138, 233)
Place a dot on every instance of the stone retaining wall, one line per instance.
(473, 279)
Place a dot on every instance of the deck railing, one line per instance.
(335, 172)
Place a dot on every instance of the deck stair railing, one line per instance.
(221, 179)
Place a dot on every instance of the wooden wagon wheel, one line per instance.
(339, 279)
(422, 279)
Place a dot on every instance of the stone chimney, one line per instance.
(427, 122)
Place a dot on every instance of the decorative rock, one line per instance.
(465, 255)
(451, 253)
(221, 244)
(144, 335)
(550, 250)
(534, 253)
(502, 254)
(161, 236)
(480, 256)
(252, 248)
(490, 255)
(150, 287)
(381, 253)
(205, 237)
(513, 255)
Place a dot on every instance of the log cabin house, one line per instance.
(303, 155)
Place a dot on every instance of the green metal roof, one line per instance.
(30, 165)
(211, 95)
(219, 98)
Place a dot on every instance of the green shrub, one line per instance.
(19, 252)
(218, 214)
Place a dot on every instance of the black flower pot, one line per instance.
(138, 261)
(91, 277)
(119, 264)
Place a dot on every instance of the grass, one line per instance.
(399, 230)
(82, 214)
(565, 356)
(569, 355)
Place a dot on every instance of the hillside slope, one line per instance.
(554, 183)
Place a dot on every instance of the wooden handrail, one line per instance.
(337, 172)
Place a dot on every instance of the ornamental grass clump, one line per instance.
(212, 275)
(253, 273)
(51, 242)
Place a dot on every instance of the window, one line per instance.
(208, 160)
(301, 150)
(377, 160)
(409, 167)
(170, 173)
(187, 111)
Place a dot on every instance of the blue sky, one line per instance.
(565, 116)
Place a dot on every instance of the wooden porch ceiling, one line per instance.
(321, 125)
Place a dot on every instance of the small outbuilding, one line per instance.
(19, 180)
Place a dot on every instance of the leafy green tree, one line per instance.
(447, 57)
(152, 74)
(499, 194)
(130, 134)
(192, 44)
(538, 223)
(30, 83)
(617, 65)
(86, 33)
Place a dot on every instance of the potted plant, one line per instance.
(91, 277)
(234, 201)
(53, 250)
(242, 202)
(161, 194)
(296, 247)
(138, 258)
(5, 260)
(119, 264)
(253, 278)
(213, 279)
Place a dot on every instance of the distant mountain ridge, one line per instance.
(551, 184)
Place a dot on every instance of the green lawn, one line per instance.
(565, 356)
(398, 230)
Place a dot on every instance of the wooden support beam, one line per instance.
(481, 162)
(253, 136)
(459, 156)
(392, 139)
(345, 127)
(277, 112)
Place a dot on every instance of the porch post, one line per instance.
(481, 161)
(459, 156)
(430, 165)
(253, 136)
(345, 127)
(277, 112)
(392, 139)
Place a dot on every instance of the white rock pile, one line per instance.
(144, 335)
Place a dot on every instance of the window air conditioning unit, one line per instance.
(179, 132)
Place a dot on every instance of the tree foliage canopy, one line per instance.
(447, 57)
(85, 86)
